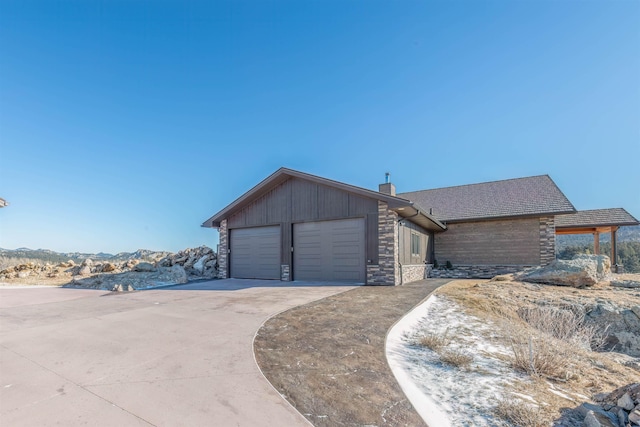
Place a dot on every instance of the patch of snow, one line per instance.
(442, 395)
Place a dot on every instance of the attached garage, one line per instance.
(330, 251)
(255, 253)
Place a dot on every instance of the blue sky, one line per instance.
(126, 124)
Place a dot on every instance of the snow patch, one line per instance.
(446, 396)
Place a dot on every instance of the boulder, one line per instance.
(199, 265)
(579, 272)
(108, 267)
(622, 326)
(87, 262)
(178, 274)
(24, 274)
(145, 267)
(626, 402)
(625, 284)
(84, 270)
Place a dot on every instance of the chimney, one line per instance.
(387, 187)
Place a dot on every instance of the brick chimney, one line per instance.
(387, 187)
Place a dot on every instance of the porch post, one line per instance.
(614, 249)
(596, 242)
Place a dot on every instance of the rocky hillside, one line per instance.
(11, 257)
(130, 274)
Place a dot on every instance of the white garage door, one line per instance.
(329, 251)
(255, 253)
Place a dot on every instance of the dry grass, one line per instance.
(549, 342)
(435, 341)
(565, 325)
(540, 355)
(521, 414)
(456, 358)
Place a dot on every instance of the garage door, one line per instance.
(329, 251)
(255, 253)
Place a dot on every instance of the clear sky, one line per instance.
(126, 124)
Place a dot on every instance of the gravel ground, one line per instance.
(327, 358)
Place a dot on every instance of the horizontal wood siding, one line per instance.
(505, 242)
(404, 244)
(298, 200)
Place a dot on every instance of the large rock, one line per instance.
(622, 326)
(581, 271)
(144, 267)
(199, 265)
(108, 267)
(178, 274)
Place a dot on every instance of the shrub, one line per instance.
(449, 266)
(540, 356)
(435, 264)
(565, 325)
(435, 341)
(520, 414)
(456, 358)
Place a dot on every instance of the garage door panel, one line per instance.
(329, 251)
(255, 253)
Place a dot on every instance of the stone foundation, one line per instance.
(413, 272)
(475, 271)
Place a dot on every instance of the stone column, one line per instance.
(386, 272)
(547, 240)
(223, 251)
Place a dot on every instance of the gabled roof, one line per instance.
(531, 196)
(403, 207)
(596, 218)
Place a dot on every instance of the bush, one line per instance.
(539, 356)
(565, 325)
(435, 341)
(456, 358)
(520, 414)
(449, 266)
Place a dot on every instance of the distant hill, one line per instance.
(9, 257)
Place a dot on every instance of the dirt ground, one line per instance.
(327, 358)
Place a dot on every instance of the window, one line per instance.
(415, 244)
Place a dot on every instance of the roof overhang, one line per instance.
(596, 220)
(414, 214)
(505, 217)
(283, 174)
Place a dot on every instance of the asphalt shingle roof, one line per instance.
(596, 218)
(530, 196)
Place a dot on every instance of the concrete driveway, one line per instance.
(178, 356)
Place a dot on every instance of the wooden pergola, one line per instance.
(596, 222)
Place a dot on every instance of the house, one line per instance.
(297, 226)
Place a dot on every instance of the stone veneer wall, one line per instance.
(223, 256)
(284, 272)
(547, 240)
(475, 271)
(412, 272)
(386, 271)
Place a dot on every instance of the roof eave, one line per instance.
(282, 175)
(490, 218)
(417, 216)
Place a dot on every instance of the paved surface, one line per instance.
(328, 357)
(178, 356)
